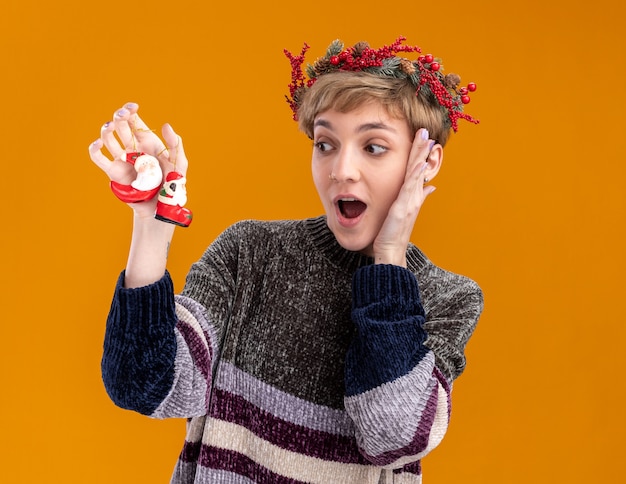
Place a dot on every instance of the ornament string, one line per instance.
(134, 130)
(165, 148)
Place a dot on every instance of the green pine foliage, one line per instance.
(334, 48)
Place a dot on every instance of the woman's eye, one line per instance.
(375, 149)
(322, 146)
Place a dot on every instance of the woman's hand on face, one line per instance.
(128, 133)
(392, 241)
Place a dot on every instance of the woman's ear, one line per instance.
(435, 158)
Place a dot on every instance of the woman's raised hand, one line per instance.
(393, 239)
(134, 176)
(128, 133)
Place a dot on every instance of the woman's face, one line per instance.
(359, 164)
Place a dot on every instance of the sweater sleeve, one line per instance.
(159, 349)
(395, 394)
(452, 311)
(140, 345)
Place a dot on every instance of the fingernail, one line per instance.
(424, 134)
(121, 113)
(432, 143)
(106, 125)
(131, 105)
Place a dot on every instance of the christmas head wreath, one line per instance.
(425, 73)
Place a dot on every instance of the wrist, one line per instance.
(147, 225)
(149, 250)
(390, 258)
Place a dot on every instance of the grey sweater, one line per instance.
(294, 359)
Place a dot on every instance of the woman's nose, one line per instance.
(345, 168)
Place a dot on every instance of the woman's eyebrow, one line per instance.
(323, 123)
(370, 126)
(361, 128)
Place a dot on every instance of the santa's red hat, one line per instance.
(173, 175)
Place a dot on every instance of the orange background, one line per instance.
(530, 204)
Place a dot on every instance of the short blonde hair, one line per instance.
(345, 91)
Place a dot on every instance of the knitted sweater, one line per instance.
(293, 359)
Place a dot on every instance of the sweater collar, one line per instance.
(325, 241)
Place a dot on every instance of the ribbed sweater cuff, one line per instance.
(381, 282)
(389, 318)
(147, 304)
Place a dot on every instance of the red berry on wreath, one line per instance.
(465, 99)
(428, 58)
(435, 66)
(334, 60)
(463, 91)
(471, 86)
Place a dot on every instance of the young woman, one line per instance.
(319, 350)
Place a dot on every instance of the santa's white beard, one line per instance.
(149, 176)
(180, 198)
(147, 180)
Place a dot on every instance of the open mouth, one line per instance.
(351, 208)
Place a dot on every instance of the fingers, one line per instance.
(138, 127)
(126, 124)
(427, 191)
(414, 190)
(419, 149)
(116, 147)
(128, 132)
(110, 141)
(419, 158)
(96, 155)
(175, 150)
(132, 107)
(171, 138)
(121, 125)
(144, 137)
(414, 180)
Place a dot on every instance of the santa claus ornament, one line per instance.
(149, 182)
(171, 199)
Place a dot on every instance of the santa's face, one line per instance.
(149, 173)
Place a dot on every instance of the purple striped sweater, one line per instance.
(294, 360)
